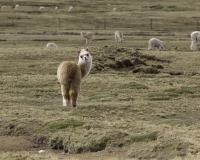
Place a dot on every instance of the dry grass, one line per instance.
(121, 114)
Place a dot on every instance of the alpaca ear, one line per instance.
(87, 49)
(79, 51)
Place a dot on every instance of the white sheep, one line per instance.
(71, 8)
(41, 8)
(51, 45)
(155, 43)
(195, 37)
(118, 36)
(70, 74)
(87, 36)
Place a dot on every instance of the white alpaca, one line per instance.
(17, 6)
(56, 7)
(3, 7)
(118, 36)
(71, 8)
(155, 43)
(87, 36)
(70, 74)
(114, 9)
(51, 45)
(195, 37)
(42, 8)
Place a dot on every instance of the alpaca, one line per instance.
(16, 6)
(71, 8)
(118, 36)
(87, 36)
(51, 45)
(56, 7)
(195, 37)
(70, 74)
(155, 43)
(3, 7)
(42, 8)
(114, 9)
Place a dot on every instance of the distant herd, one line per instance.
(153, 42)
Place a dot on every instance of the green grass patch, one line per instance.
(194, 96)
(159, 96)
(171, 7)
(144, 137)
(182, 90)
(173, 122)
(132, 85)
(62, 124)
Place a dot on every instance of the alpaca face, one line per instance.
(84, 57)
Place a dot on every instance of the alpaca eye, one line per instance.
(81, 56)
(87, 54)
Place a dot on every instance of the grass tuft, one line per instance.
(182, 90)
(173, 122)
(144, 137)
(62, 124)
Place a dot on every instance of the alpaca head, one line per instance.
(84, 57)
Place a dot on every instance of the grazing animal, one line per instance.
(3, 7)
(155, 43)
(195, 37)
(42, 8)
(118, 36)
(71, 8)
(114, 9)
(51, 45)
(15, 6)
(87, 36)
(70, 74)
(56, 7)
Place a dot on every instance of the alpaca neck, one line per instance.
(85, 69)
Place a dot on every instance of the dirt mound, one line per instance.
(124, 59)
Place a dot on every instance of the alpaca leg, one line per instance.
(65, 94)
(66, 103)
(149, 48)
(86, 41)
(73, 97)
(193, 46)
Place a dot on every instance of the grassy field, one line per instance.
(121, 114)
